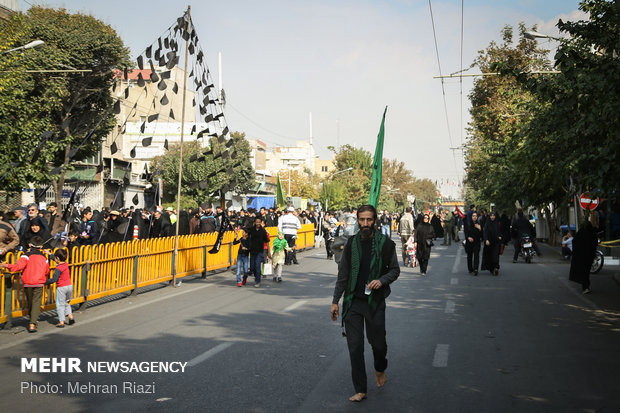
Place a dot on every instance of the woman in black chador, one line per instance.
(492, 238)
(424, 235)
(473, 235)
(584, 249)
(436, 223)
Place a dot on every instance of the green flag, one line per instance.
(377, 166)
(280, 199)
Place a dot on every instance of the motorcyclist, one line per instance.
(521, 227)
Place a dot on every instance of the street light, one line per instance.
(32, 44)
(533, 35)
(339, 172)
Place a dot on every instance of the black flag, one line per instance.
(220, 235)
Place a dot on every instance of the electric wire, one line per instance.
(443, 90)
(258, 125)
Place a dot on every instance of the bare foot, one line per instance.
(380, 378)
(358, 397)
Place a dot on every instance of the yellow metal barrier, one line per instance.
(108, 269)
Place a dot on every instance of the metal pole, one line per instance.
(176, 235)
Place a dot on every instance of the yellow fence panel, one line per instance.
(108, 269)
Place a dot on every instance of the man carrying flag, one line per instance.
(367, 268)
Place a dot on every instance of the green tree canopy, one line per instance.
(350, 189)
(206, 176)
(496, 164)
(75, 108)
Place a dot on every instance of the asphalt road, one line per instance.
(525, 341)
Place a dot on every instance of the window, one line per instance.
(323, 168)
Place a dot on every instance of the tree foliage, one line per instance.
(206, 177)
(69, 105)
(351, 189)
(302, 183)
(495, 160)
(568, 124)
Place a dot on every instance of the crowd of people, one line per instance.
(85, 226)
(38, 232)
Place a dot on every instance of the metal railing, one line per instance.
(108, 269)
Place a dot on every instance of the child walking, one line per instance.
(243, 257)
(35, 268)
(411, 251)
(64, 288)
(278, 255)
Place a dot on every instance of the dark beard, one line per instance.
(366, 232)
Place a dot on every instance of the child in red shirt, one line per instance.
(64, 288)
(35, 268)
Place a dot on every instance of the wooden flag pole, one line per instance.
(176, 235)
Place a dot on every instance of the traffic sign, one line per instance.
(587, 201)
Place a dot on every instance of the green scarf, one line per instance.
(279, 244)
(375, 268)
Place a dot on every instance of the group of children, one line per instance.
(277, 253)
(35, 270)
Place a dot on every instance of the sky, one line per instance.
(343, 61)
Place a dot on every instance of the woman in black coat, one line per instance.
(183, 222)
(473, 235)
(436, 223)
(424, 235)
(492, 238)
(584, 250)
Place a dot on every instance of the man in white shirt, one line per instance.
(289, 224)
(567, 245)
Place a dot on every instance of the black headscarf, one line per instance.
(43, 233)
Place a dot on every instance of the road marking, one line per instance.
(294, 306)
(81, 322)
(450, 307)
(442, 351)
(454, 281)
(208, 354)
(457, 261)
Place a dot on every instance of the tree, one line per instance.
(354, 185)
(498, 170)
(301, 183)
(352, 188)
(206, 177)
(75, 109)
(581, 112)
(574, 135)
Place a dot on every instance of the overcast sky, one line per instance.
(342, 60)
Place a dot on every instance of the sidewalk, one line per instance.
(605, 285)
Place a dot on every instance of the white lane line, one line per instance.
(442, 351)
(294, 306)
(209, 353)
(450, 307)
(82, 322)
(457, 260)
(454, 281)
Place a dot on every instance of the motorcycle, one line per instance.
(599, 257)
(527, 248)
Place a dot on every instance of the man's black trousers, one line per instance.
(359, 314)
(291, 256)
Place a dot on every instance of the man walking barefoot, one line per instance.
(367, 268)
